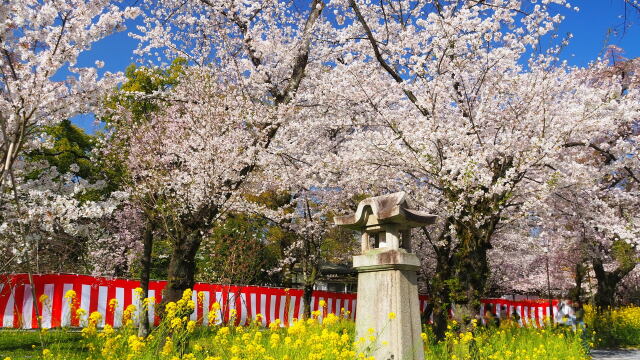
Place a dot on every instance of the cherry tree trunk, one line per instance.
(607, 284)
(182, 267)
(440, 318)
(575, 294)
(475, 268)
(441, 291)
(310, 277)
(306, 296)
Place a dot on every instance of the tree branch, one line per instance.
(382, 62)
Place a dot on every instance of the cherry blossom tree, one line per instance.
(191, 160)
(40, 42)
(51, 218)
(136, 227)
(595, 200)
(251, 59)
(456, 103)
(588, 212)
(61, 208)
(316, 241)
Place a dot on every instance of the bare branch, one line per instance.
(382, 61)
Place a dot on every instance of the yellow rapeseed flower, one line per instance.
(70, 294)
(135, 343)
(95, 317)
(168, 347)
(186, 295)
(191, 326)
(113, 303)
(147, 301)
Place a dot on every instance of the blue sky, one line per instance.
(591, 27)
(599, 22)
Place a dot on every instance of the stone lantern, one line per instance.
(387, 299)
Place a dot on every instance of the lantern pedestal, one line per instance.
(387, 285)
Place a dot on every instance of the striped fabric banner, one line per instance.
(22, 301)
(529, 312)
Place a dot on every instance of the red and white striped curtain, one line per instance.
(530, 312)
(23, 299)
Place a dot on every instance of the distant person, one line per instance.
(515, 316)
(578, 320)
(579, 324)
(490, 318)
(566, 315)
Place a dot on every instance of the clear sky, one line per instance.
(596, 24)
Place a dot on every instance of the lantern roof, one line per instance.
(387, 209)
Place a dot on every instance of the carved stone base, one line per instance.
(387, 284)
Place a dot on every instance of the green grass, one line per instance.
(613, 328)
(508, 343)
(26, 344)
